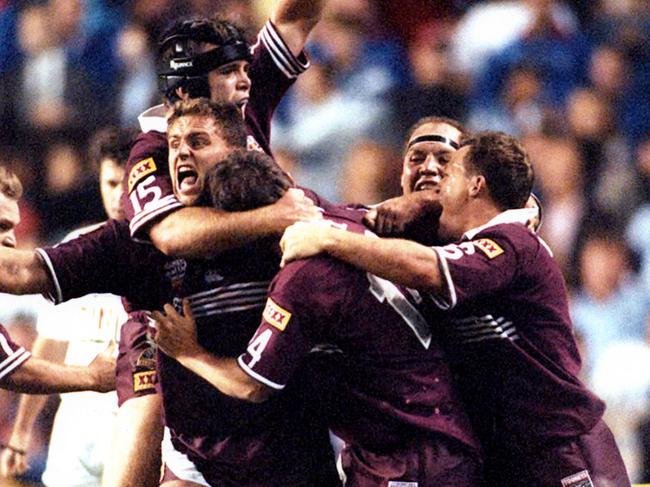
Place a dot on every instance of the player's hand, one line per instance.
(293, 207)
(404, 215)
(175, 333)
(302, 240)
(102, 369)
(12, 463)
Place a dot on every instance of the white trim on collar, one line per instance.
(519, 215)
(153, 119)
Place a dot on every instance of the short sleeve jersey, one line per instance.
(12, 355)
(511, 335)
(148, 191)
(395, 382)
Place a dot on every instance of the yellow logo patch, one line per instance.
(276, 315)
(140, 170)
(488, 247)
(144, 381)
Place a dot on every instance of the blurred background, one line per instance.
(570, 78)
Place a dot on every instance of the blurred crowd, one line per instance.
(570, 78)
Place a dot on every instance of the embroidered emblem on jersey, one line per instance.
(146, 360)
(140, 170)
(488, 247)
(144, 381)
(580, 479)
(252, 144)
(395, 483)
(175, 271)
(276, 315)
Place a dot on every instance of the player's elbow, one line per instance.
(165, 239)
(254, 391)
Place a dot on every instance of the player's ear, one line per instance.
(478, 184)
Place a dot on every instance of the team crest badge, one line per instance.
(140, 170)
(580, 479)
(276, 315)
(489, 247)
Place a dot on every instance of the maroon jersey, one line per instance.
(512, 337)
(12, 355)
(148, 190)
(228, 439)
(395, 384)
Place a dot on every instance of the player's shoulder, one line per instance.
(151, 144)
(83, 231)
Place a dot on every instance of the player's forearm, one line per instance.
(23, 272)
(38, 376)
(295, 19)
(204, 232)
(30, 406)
(225, 375)
(400, 261)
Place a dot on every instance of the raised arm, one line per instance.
(400, 261)
(295, 19)
(200, 232)
(23, 272)
(176, 336)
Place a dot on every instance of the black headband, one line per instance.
(206, 62)
(434, 138)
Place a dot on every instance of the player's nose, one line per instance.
(431, 165)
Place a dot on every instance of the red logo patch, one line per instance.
(276, 315)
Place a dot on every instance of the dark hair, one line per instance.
(504, 163)
(10, 185)
(112, 143)
(423, 121)
(226, 117)
(246, 180)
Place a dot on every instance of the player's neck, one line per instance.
(478, 213)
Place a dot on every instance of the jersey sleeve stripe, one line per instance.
(285, 60)
(58, 295)
(16, 359)
(169, 203)
(258, 377)
(440, 301)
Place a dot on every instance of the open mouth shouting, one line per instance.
(187, 180)
(427, 183)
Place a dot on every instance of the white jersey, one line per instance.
(83, 427)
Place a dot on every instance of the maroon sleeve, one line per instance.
(148, 191)
(135, 371)
(96, 262)
(12, 355)
(477, 267)
(304, 301)
(273, 70)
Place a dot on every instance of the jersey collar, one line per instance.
(153, 119)
(519, 215)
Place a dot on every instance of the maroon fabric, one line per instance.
(135, 371)
(394, 379)
(593, 455)
(512, 338)
(428, 462)
(12, 355)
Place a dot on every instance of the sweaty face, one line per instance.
(9, 218)
(454, 194)
(230, 83)
(195, 145)
(110, 186)
(425, 161)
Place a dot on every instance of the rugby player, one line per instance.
(393, 403)
(211, 58)
(503, 299)
(223, 441)
(21, 372)
(75, 332)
